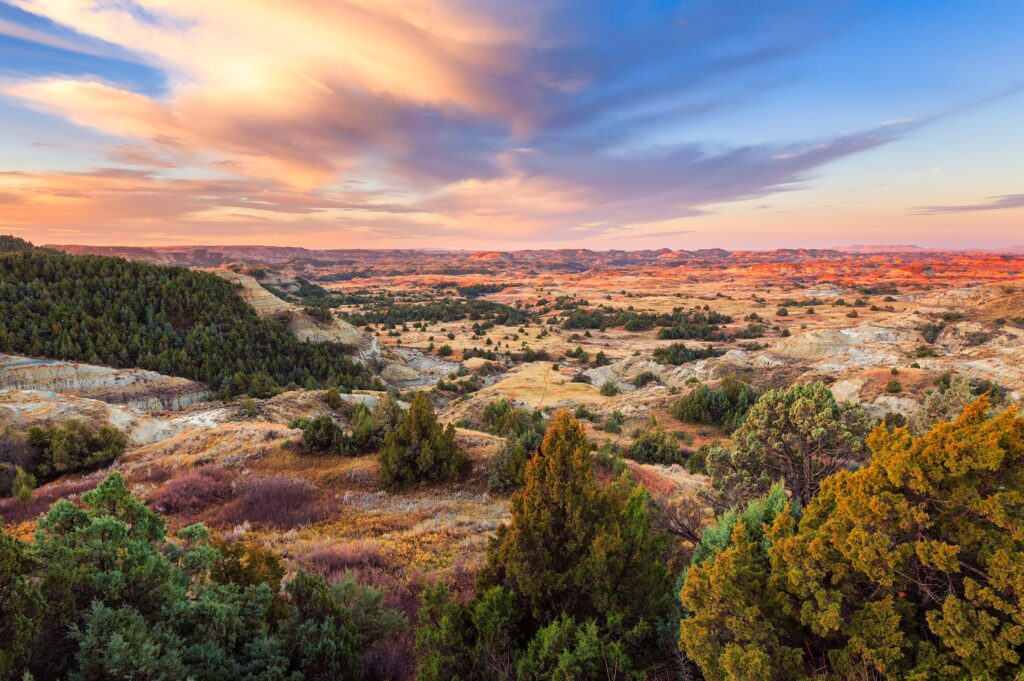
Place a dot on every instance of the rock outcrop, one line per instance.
(145, 390)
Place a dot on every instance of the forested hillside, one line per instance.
(176, 321)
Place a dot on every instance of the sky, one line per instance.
(488, 124)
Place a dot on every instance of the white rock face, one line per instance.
(837, 349)
(145, 390)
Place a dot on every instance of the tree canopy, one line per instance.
(909, 568)
(175, 321)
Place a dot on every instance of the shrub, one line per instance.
(333, 399)
(509, 463)
(192, 491)
(930, 332)
(502, 417)
(655, 446)
(609, 389)
(249, 407)
(893, 386)
(74, 446)
(420, 449)
(275, 501)
(321, 435)
(445, 351)
(613, 424)
(643, 378)
(569, 651)
(22, 485)
(725, 406)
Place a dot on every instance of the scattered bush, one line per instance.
(609, 389)
(893, 387)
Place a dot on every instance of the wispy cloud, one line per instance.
(1004, 202)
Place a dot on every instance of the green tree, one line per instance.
(22, 486)
(333, 624)
(321, 435)
(800, 435)
(576, 548)
(444, 637)
(420, 449)
(945, 403)
(21, 606)
(566, 651)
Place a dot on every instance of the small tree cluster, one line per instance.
(366, 432)
(74, 445)
(725, 406)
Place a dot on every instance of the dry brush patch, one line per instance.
(192, 491)
(276, 501)
(19, 517)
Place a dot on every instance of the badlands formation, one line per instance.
(852, 320)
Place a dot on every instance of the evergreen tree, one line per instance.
(909, 568)
(420, 449)
(800, 435)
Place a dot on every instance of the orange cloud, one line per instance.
(291, 91)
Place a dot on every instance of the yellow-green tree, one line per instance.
(912, 567)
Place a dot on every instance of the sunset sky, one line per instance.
(490, 124)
